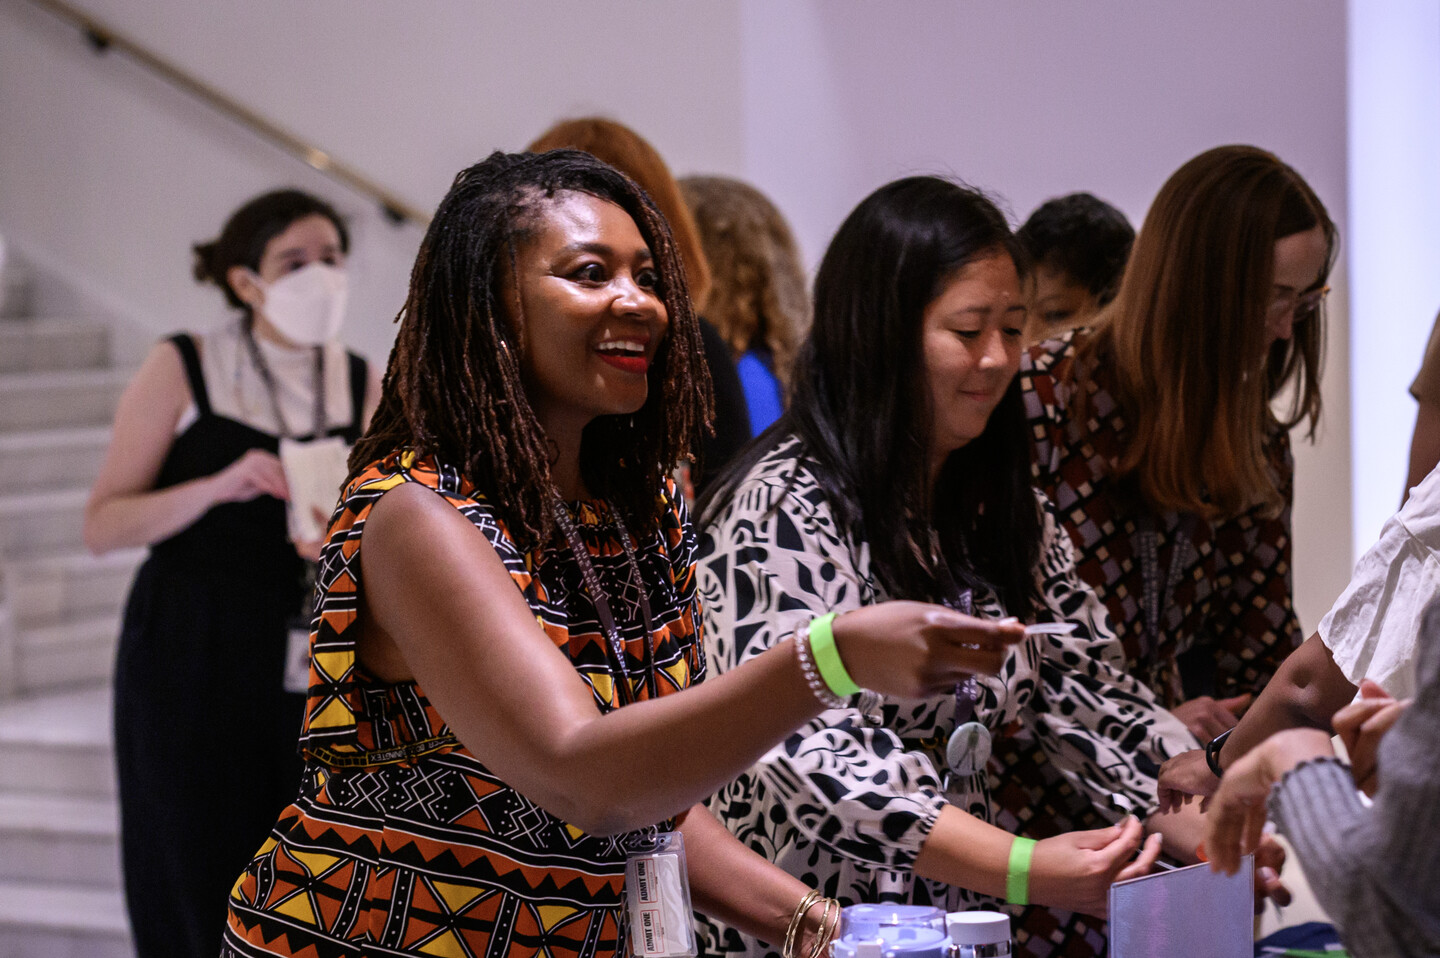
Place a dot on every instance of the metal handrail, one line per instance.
(104, 39)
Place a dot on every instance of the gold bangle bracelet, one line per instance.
(796, 920)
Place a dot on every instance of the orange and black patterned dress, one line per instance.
(401, 842)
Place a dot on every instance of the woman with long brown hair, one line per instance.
(1156, 438)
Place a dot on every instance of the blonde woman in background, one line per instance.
(757, 294)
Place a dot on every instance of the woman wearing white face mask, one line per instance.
(205, 727)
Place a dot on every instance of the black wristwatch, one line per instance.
(1212, 752)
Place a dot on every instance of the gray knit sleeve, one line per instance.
(1376, 870)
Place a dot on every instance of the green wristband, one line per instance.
(827, 657)
(1017, 878)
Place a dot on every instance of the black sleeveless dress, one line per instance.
(205, 734)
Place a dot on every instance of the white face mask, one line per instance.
(308, 305)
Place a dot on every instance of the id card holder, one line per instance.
(657, 896)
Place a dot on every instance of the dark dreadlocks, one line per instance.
(453, 387)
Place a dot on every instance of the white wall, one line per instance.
(1394, 131)
(816, 101)
(106, 168)
(1032, 100)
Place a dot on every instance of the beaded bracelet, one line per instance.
(812, 674)
(827, 657)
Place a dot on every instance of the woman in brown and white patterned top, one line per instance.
(1154, 437)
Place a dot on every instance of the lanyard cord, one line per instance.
(967, 691)
(267, 378)
(1155, 599)
(602, 602)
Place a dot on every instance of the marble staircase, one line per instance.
(59, 617)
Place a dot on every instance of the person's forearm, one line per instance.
(1307, 690)
(1181, 831)
(732, 884)
(724, 713)
(965, 851)
(1424, 446)
(144, 518)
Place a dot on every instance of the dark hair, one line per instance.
(247, 231)
(864, 417)
(1082, 236)
(1179, 346)
(453, 387)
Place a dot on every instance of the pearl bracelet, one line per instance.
(806, 658)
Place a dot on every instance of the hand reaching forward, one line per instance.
(913, 649)
(1075, 870)
(1235, 823)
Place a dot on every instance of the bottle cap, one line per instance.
(865, 920)
(978, 927)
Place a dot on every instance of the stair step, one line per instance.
(71, 652)
(59, 838)
(44, 590)
(47, 344)
(60, 921)
(52, 458)
(42, 523)
(46, 400)
(58, 743)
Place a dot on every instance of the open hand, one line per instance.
(1361, 725)
(1207, 717)
(1075, 870)
(1235, 823)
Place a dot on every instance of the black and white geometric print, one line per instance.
(847, 802)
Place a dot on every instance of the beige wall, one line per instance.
(105, 171)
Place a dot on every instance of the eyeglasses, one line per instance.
(1304, 305)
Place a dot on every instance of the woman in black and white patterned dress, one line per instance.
(901, 470)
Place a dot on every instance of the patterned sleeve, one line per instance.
(845, 783)
(1256, 626)
(1102, 729)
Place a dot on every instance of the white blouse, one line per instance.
(238, 392)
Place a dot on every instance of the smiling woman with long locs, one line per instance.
(505, 691)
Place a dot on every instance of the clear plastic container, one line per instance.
(979, 934)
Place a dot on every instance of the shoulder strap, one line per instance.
(190, 356)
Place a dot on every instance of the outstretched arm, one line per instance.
(439, 605)
(1305, 693)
